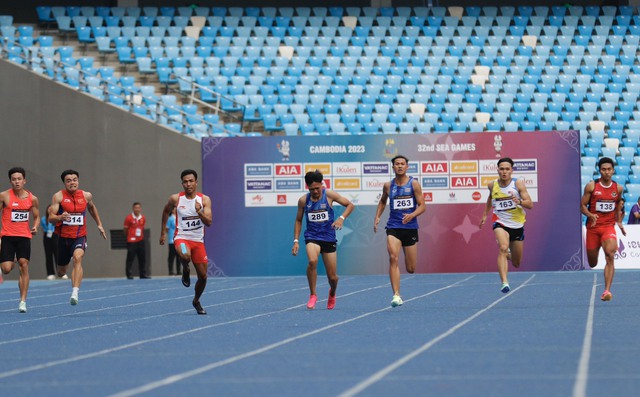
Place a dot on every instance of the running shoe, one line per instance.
(198, 307)
(505, 288)
(22, 307)
(186, 279)
(331, 302)
(396, 301)
(606, 296)
(312, 302)
(51, 277)
(64, 277)
(74, 300)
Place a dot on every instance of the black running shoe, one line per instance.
(186, 279)
(198, 307)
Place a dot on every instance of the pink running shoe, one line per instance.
(331, 302)
(606, 296)
(312, 302)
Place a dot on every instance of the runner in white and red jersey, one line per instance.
(18, 205)
(601, 205)
(193, 213)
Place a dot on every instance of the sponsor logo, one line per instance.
(464, 167)
(375, 168)
(282, 199)
(373, 183)
(464, 181)
(346, 169)
(257, 199)
(288, 184)
(476, 196)
(435, 167)
(258, 169)
(324, 168)
(428, 197)
(346, 183)
(435, 182)
(525, 165)
(259, 184)
(288, 169)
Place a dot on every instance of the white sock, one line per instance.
(74, 291)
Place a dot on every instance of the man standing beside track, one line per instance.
(601, 205)
(17, 205)
(193, 212)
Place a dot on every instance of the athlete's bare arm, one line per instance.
(35, 211)
(525, 199)
(586, 197)
(343, 201)
(420, 208)
(297, 225)
(381, 205)
(204, 210)
(54, 217)
(93, 210)
(487, 206)
(168, 208)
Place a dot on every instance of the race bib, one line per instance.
(190, 223)
(76, 220)
(319, 216)
(605, 206)
(138, 232)
(403, 203)
(20, 216)
(507, 204)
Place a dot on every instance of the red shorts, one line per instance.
(597, 235)
(198, 252)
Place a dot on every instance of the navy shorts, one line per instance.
(14, 248)
(408, 237)
(326, 247)
(514, 234)
(66, 246)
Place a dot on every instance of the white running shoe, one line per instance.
(51, 277)
(73, 300)
(22, 307)
(396, 301)
(64, 277)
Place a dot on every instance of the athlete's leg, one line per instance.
(609, 246)
(76, 275)
(517, 248)
(184, 254)
(394, 245)
(23, 282)
(330, 260)
(410, 257)
(7, 267)
(313, 252)
(502, 238)
(201, 271)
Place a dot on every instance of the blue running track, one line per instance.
(455, 335)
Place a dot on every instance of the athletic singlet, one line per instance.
(15, 216)
(189, 226)
(603, 203)
(76, 205)
(403, 201)
(505, 210)
(319, 216)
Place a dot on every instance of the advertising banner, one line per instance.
(255, 184)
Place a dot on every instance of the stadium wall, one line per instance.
(47, 127)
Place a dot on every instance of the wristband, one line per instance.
(295, 241)
(341, 217)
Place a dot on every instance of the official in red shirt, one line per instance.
(134, 230)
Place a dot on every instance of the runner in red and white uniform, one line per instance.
(193, 212)
(601, 205)
(18, 206)
(68, 211)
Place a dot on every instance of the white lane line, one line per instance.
(582, 376)
(179, 377)
(25, 339)
(403, 360)
(19, 371)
